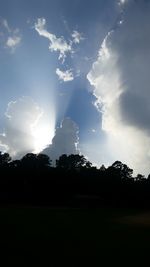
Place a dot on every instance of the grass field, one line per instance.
(52, 237)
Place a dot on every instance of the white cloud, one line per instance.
(12, 37)
(65, 76)
(24, 129)
(13, 42)
(121, 79)
(65, 140)
(56, 44)
(5, 24)
(77, 37)
(122, 2)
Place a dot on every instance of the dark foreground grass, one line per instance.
(69, 237)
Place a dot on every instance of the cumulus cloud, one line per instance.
(65, 140)
(59, 44)
(65, 76)
(11, 37)
(77, 37)
(22, 119)
(120, 78)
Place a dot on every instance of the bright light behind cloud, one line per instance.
(27, 128)
(42, 135)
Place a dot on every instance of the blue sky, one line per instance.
(29, 69)
(32, 58)
(62, 58)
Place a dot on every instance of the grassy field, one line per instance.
(59, 237)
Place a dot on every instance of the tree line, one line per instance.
(73, 181)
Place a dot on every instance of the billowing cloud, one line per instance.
(59, 44)
(77, 37)
(11, 37)
(65, 140)
(121, 82)
(65, 76)
(24, 130)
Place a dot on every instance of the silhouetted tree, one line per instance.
(4, 159)
(88, 164)
(15, 164)
(123, 170)
(43, 160)
(29, 161)
(102, 168)
(33, 180)
(33, 161)
(72, 162)
(140, 177)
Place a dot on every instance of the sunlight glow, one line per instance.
(42, 135)
(29, 127)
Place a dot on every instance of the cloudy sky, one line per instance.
(74, 76)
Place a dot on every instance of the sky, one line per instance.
(74, 78)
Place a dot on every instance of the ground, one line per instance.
(54, 236)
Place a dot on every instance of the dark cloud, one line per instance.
(135, 110)
(131, 42)
(65, 140)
